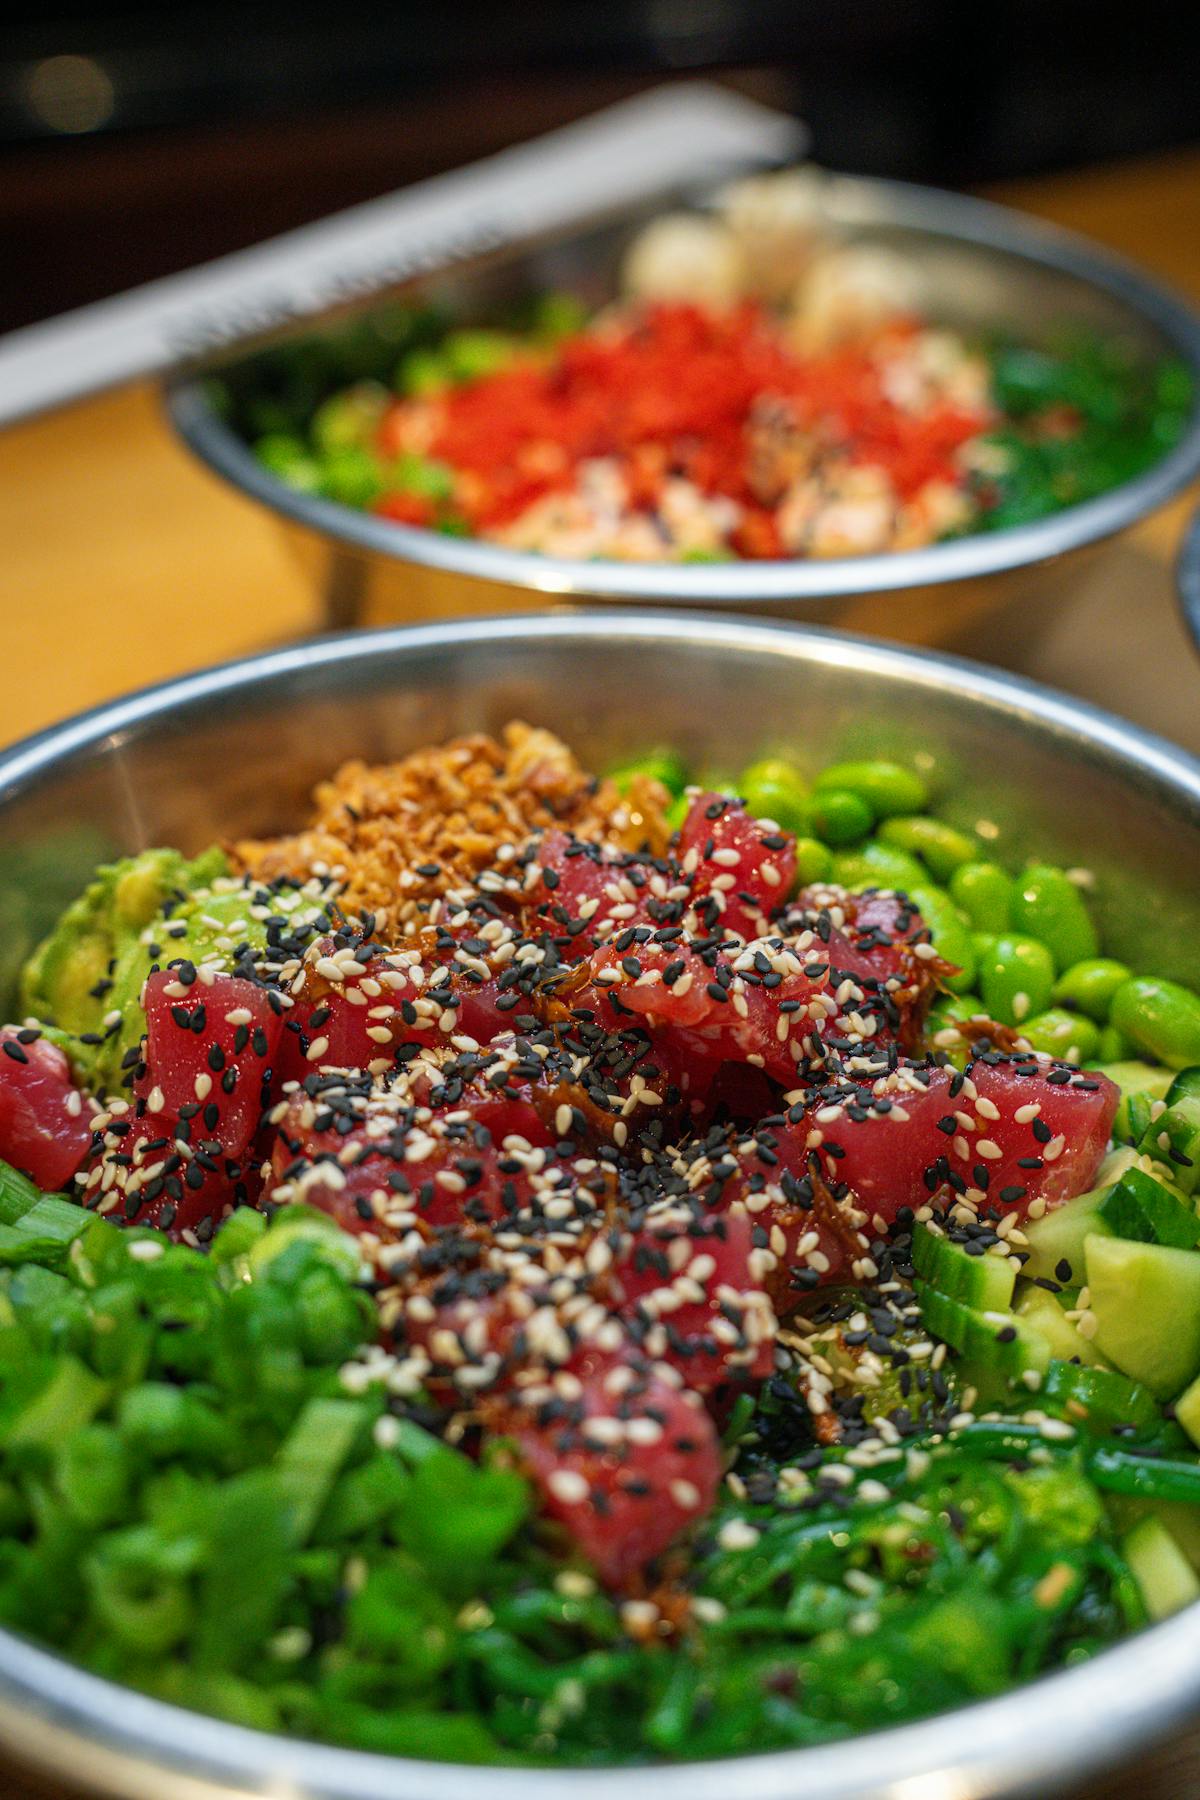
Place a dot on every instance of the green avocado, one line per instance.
(93, 964)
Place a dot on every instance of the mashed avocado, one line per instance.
(92, 965)
(84, 982)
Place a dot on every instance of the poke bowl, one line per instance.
(625, 413)
(159, 1474)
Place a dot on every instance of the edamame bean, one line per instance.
(423, 372)
(940, 846)
(351, 418)
(839, 817)
(1049, 907)
(1114, 1046)
(877, 865)
(775, 789)
(983, 890)
(952, 1009)
(814, 862)
(659, 765)
(287, 457)
(353, 476)
(983, 942)
(1161, 1017)
(1016, 979)
(474, 353)
(1067, 1035)
(950, 935)
(1090, 985)
(950, 1012)
(886, 787)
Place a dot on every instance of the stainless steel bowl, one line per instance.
(236, 749)
(985, 266)
(1188, 579)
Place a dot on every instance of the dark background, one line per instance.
(137, 140)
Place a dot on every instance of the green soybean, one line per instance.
(287, 457)
(940, 846)
(1114, 1046)
(1089, 986)
(950, 934)
(660, 765)
(814, 861)
(1016, 979)
(421, 475)
(423, 372)
(350, 419)
(984, 943)
(677, 812)
(775, 789)
(474, 353)
(887, 788)
(838, 816)
(353, 476)
(1160, 1017)
(877, 865)
(1049, 907)
(1069, 1036)
(984, 892)
(950, 1012)
(952, 1009)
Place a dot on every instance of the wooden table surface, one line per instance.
(124, 562)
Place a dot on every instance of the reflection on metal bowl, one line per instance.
(1188, 578)
(236, 750)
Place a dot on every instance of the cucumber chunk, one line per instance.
(1045, 1314)
(984, 1281)
(1185, 1086)
(1142, 1208)
(1141, 1084)
(1056, 1239)
(997, 1343)
(1174, 1140)
(1146, 1299)
(1163, 1573)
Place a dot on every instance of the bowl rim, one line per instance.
(1025, 1741)
(1187, 578)
(985, 224)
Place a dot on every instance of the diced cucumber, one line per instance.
(985, 1281)
(1099, 1398)
(1185, 1086)
(1055, 1240)
(1140, 1083)
(1146, 1299)
(1174, 1140)
(1162, 1571)
(1145, 1209)
(997, 1343)
(1045, 1314)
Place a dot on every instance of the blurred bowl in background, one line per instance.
(984, 268)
